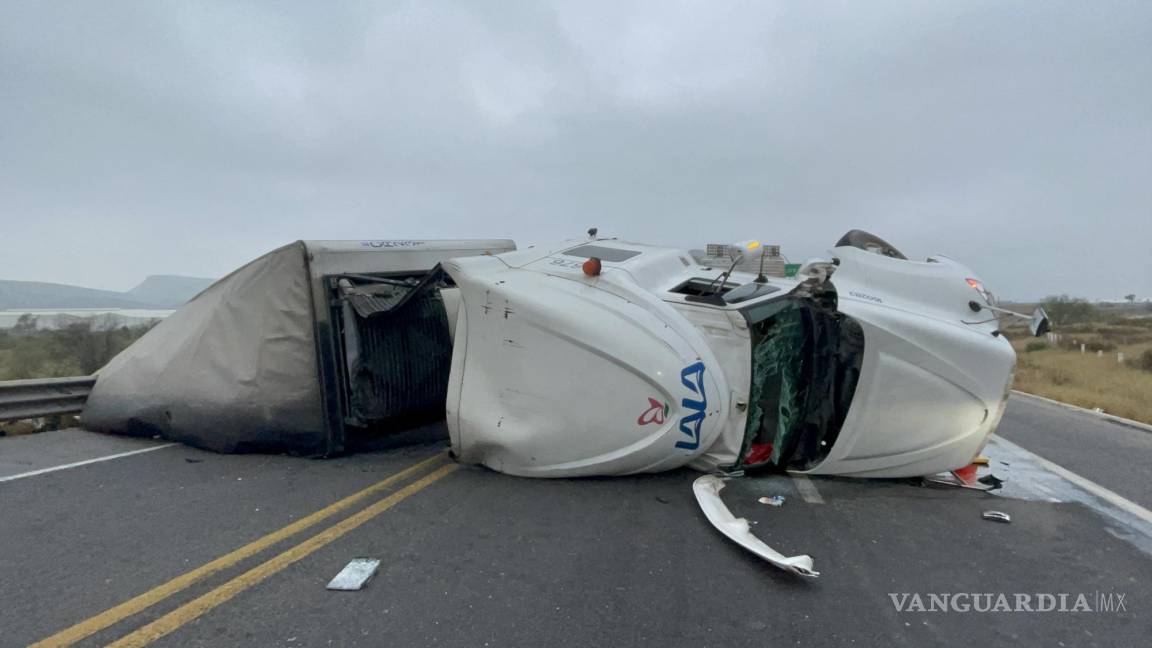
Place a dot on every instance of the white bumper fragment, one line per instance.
(707, 490)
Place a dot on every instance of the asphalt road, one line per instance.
(471, 557)
(1115, 456)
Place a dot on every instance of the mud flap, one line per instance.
(707, 490)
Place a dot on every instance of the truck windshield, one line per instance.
(806, 360)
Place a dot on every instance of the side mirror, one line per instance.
(1039, 324)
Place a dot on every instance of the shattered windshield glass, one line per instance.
(805, 365)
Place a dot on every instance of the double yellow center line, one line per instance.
(198, 606)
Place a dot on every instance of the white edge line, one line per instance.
(1109, 496)
(33, 473)
(807, 489)
(1104, 415)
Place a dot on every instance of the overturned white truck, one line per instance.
(593, 357)
(866, 364)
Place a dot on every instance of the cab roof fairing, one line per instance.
(556, 371)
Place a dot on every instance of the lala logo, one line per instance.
(654, 414)
(693, 378)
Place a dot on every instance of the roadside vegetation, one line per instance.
(78, 349)
(1094, 378)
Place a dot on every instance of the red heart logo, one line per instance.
(654, 413)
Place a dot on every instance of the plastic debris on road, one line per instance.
(355, 574)
(775, 500)
(997, 516)
(707, 490)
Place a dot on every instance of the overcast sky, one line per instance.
(181, 137)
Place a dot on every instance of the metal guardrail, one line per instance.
(23, 399)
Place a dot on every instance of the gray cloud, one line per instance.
(139, 137)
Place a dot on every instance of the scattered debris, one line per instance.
(965, 478)
(941, 480)
(707, 490)
(355, 574)
(997, 516)
(191, 460)
(775, 500)
(661, 499)
(966, 475)
(991, 481)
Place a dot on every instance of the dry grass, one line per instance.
(1063, 373)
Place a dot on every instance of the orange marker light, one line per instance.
(592, 267)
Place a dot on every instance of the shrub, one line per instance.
(1035, 345)
(1069, 310)
(1121, 330)
(77, 348)
(1145, 360)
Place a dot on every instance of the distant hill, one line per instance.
(157, 291)
(168, 291)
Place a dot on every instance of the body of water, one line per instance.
(102, 318)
